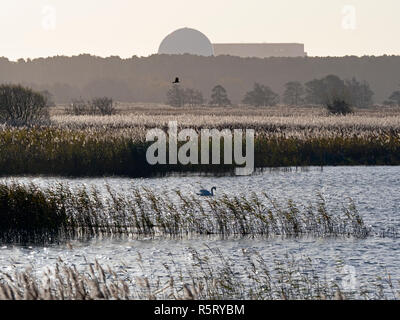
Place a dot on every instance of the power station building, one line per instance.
(260, 50)
(187, 40)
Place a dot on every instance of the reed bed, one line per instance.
(207, 277)
(257, 122)
(101, 152)
(284, 117)
(115, 145)
(133, 121)
(31, 214)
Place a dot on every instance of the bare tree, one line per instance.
(20, 106)
(360, 93)
(176, 96)
(294, 92)
(193, 97)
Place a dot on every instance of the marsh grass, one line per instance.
(116, 145)
(100, 152)
(29, 213)
(208, 276)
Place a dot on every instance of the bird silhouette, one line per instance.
(176, 80)
(206, 193)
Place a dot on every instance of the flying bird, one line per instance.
(206, 193)
(176, 80)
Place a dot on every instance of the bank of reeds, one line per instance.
(260, 119)
(210, 276)
(98, 152)
(115, 145)
(29, 213)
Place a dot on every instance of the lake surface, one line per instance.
(374, 190)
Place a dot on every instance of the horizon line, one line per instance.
(28, 59)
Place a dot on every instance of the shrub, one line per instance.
(103, 106)
(20, 106)
(389, 103)
(339, 107)
(97, 106)
(79, 107)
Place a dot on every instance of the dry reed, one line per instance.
(283, 279)
(29, 213)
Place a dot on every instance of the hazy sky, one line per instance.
(41, 28)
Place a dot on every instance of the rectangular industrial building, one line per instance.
(260, 50)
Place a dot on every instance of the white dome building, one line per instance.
(186, 40)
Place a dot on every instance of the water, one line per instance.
(374, 190)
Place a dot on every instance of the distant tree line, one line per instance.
(147, 79)
(339, 96)
(178, 96)
(22, 106)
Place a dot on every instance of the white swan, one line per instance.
(206, 193)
